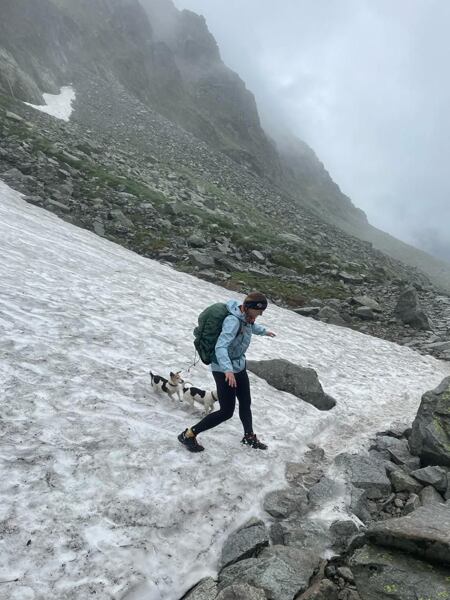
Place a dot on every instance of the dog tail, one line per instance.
(151, 376)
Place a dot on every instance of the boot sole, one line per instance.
(190, 449)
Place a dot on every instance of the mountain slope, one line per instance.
(98, 497)
(169, 61)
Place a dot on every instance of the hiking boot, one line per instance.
(190, 442)
(251, 440)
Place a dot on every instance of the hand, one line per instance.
(270, 333)
(230, 378)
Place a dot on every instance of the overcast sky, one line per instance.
(366, 84)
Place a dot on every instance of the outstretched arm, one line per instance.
(261, 330)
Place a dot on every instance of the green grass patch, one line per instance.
(288, 261)
(294, 294)
(272, 286)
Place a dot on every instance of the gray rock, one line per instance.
(435, 476)
(227, 263)
(322, 590)
(291, 238)
(430, 437)
(288, 377)
(54, 204)
(37, 200)
(381, 574)
(259, 256)
(13, 117)
(311, 536)
(196, 241)
(365, 313)
(398, 450)
(342, 531)
(119, 218)
(397, 430)
(302, 475)
(323, 491)
(241, 591)
(440, 346)
(402, 482)
(365, 473)
(307, 311)
(359, 504)
(283, 503)
(331, 316)
(425, 533)
(201, 259)
(349, 278)
(430, 496)
(14, 176)
(345, 573)
(71, 158)
(281, 572)
(409, 311)
(316, 302)
(367, 302)
(244, 542)
(206, 589)
(413, 503)
(99, 228)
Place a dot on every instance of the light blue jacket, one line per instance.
(234, 340)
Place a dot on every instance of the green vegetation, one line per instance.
(147, 243)
(290, 262)
(294, 294)
(390, 589)
(6, 102)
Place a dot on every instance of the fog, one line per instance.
(365, 84)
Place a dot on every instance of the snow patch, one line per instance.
(57, 105)
(98, 496)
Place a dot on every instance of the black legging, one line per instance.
(227, 400)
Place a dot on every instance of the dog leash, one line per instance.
(195, 363)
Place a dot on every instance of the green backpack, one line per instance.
(208, 330)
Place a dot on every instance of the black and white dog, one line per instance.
(171, 386)
(207, 399)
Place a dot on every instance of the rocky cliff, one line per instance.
(167, 59)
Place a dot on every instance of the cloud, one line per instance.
(365, 84)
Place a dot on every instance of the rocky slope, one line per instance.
(392, 540)
(124, 170)
(169, 61)
(145, 183)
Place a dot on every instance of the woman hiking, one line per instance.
(229, 371)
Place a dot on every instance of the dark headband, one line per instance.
(258, 304)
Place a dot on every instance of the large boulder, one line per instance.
(206, 589)
(299, 381)
(397, 450)
(435, 476)
(409, 312)
(241, 591)
(430, 437)
(280, 571)
(327, 314)
(366, 473)
(245, 542)
(425, 533)
(381, 574)
(281, 504)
